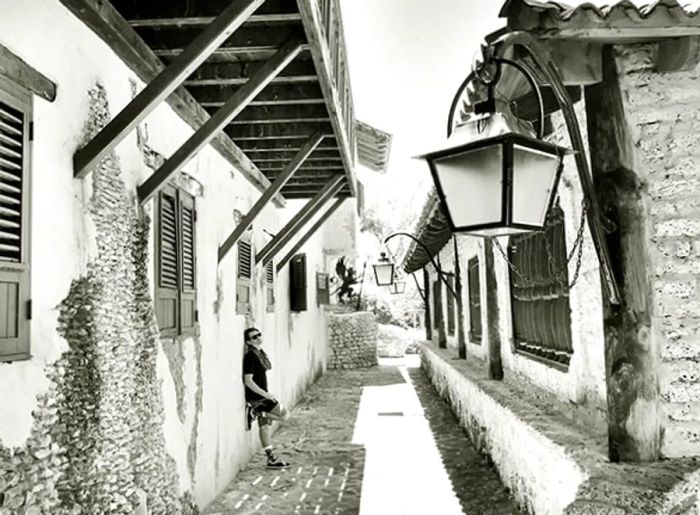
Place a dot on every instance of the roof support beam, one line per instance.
(165, 83)
(312, 230)
(303, 216)
(238, 101)
(274, 188)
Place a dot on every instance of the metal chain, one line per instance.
(577, 249)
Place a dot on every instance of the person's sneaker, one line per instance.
(250, 416)
(274, 462)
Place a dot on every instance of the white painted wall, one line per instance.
(75, 61)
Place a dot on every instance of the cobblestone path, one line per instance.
(376, 441)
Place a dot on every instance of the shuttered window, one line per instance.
(297, 283)
(474, 300)
(176, 309)
(450, 306)
(437, 308)
(322, 288)
(244, 275)
(270, 286)
(540, 298)
(15, 308)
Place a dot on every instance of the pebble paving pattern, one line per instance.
(327, 470)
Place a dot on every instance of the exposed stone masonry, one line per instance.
(352, 340)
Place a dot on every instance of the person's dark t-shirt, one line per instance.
(252, 365)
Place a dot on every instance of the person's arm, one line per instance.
(248, 381)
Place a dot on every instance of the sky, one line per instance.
(406, 59)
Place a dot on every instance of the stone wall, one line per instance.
(663, 120)
(394, 341)
(352, 340)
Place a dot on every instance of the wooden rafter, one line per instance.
(303, 216)
(198, 21)
(17, 70)
(274, 188)
(238, 101)
(284, 145)
(237, 73)
(274, 94)
(310, 232)
(286, 131)
(164, 84)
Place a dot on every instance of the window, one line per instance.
(322, 288)
(450, 306)
(15, 153)
(297, 283)
(540, 298)
(270, 286)
(437, 308)
(244, 275)
(176, 281)
(474, 300)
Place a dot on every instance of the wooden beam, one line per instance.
(312, 230)
(284, 145)
(236, 74)
(331, 70)
(260, 114)
(102, 18)
(198, 21)
(345, 193)
(263, 201)
(18, 71)
(286, 131)
(230, 110)
(164, 84)
(334, 159)
(678, 54)
(308, 167)
(303, 216)
(283, 155)
(273, 94)
(618, 35)
(278, 121)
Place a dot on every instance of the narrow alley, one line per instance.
(370, 441)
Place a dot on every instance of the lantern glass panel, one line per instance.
(471, 182)
(534, 180)
(384, 273)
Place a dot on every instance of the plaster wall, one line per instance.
(202, 392)
(663, 120)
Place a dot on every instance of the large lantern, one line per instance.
(494, 179)
(384, 271)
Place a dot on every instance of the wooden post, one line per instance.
(303, 216)
(632, 356)
(310, 233)
(461, 340)
(164, 84)
(492, 329)
(426, 299)
(238, 101)
(274, 188)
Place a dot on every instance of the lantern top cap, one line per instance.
(491, 128)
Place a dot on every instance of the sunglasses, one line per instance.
(256, 336)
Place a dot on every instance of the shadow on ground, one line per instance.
(474, 480)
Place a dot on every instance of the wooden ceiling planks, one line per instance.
(285, 113)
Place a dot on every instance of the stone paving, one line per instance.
(372, 441)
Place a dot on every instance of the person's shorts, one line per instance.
(267, 406)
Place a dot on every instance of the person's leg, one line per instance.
(265, 425)
(277, 412)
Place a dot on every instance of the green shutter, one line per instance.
(15, 119)
(188, 301)
(167, 276)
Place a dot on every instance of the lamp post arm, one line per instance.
(551, 72)
(440, 273)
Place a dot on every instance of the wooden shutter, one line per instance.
(450, 306)
(474, 300)
(322, 289)
(270, 286)
(243, 276)
(437, 308)
(15, 127)
(297, 283)
(167, 255)
(188, 287)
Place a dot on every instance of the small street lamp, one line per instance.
(397, 287)
(384, 271)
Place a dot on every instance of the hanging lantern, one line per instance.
(384, 271)
(397, 287)
(495, 179)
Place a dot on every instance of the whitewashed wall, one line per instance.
(62, 243)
